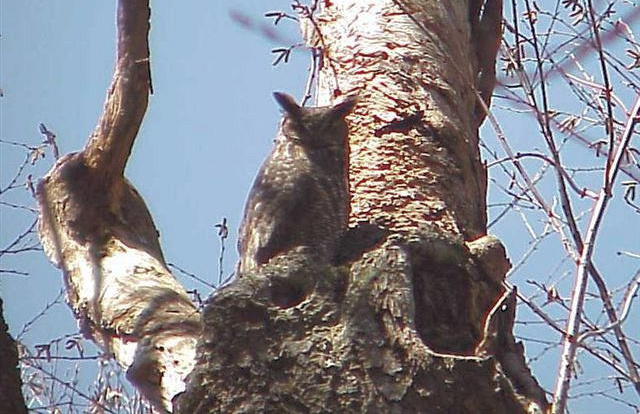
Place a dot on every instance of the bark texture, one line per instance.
(96, 228)
(414, 152)
(11, 399)
(412, 315)
(414, 319)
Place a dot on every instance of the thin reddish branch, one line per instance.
(585, 46)
(577, 237)
(557, 69)
(611, 362)
(545, 123)
(626, 306)
(543, 119)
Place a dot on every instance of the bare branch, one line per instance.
(95, 226)
(577, 300)
(112, 140)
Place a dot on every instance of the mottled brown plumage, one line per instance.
(301, 195)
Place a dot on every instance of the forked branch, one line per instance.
(95, 226)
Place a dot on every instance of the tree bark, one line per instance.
(418, 320)
(11, 399)
(413, 317)
(94, 225)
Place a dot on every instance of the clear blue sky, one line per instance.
(209, 125)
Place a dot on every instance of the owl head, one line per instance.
(315, 127)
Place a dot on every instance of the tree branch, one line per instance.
(580, 285)
(95, 226)
(112, 140)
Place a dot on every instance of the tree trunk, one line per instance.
(411, 317)
(11, 399)
(417, 318)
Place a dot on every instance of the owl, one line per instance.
(300, 197)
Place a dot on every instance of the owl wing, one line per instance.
(274, 216)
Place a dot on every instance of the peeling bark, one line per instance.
(416, 317)
(96, 228)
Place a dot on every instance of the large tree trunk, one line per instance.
(412, 318)
(419, 320)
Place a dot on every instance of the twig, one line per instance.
(553, 324)
(626, 306)
(40, 314)
(68, 385)
(50, 139)
(582, 192)
(191, 275)
(316, 56)
(577, 300)
(223, 233)
(543, 119)
(521, 170)
(545, 126)
(21, 236)
(607, 90)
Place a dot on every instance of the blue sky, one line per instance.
(208, 127)
(209, 124)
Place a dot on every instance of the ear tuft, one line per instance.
(343, 108)
(288, 104)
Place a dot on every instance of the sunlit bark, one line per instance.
(419, 319)
(96, 228)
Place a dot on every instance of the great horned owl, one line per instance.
(300, 196)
